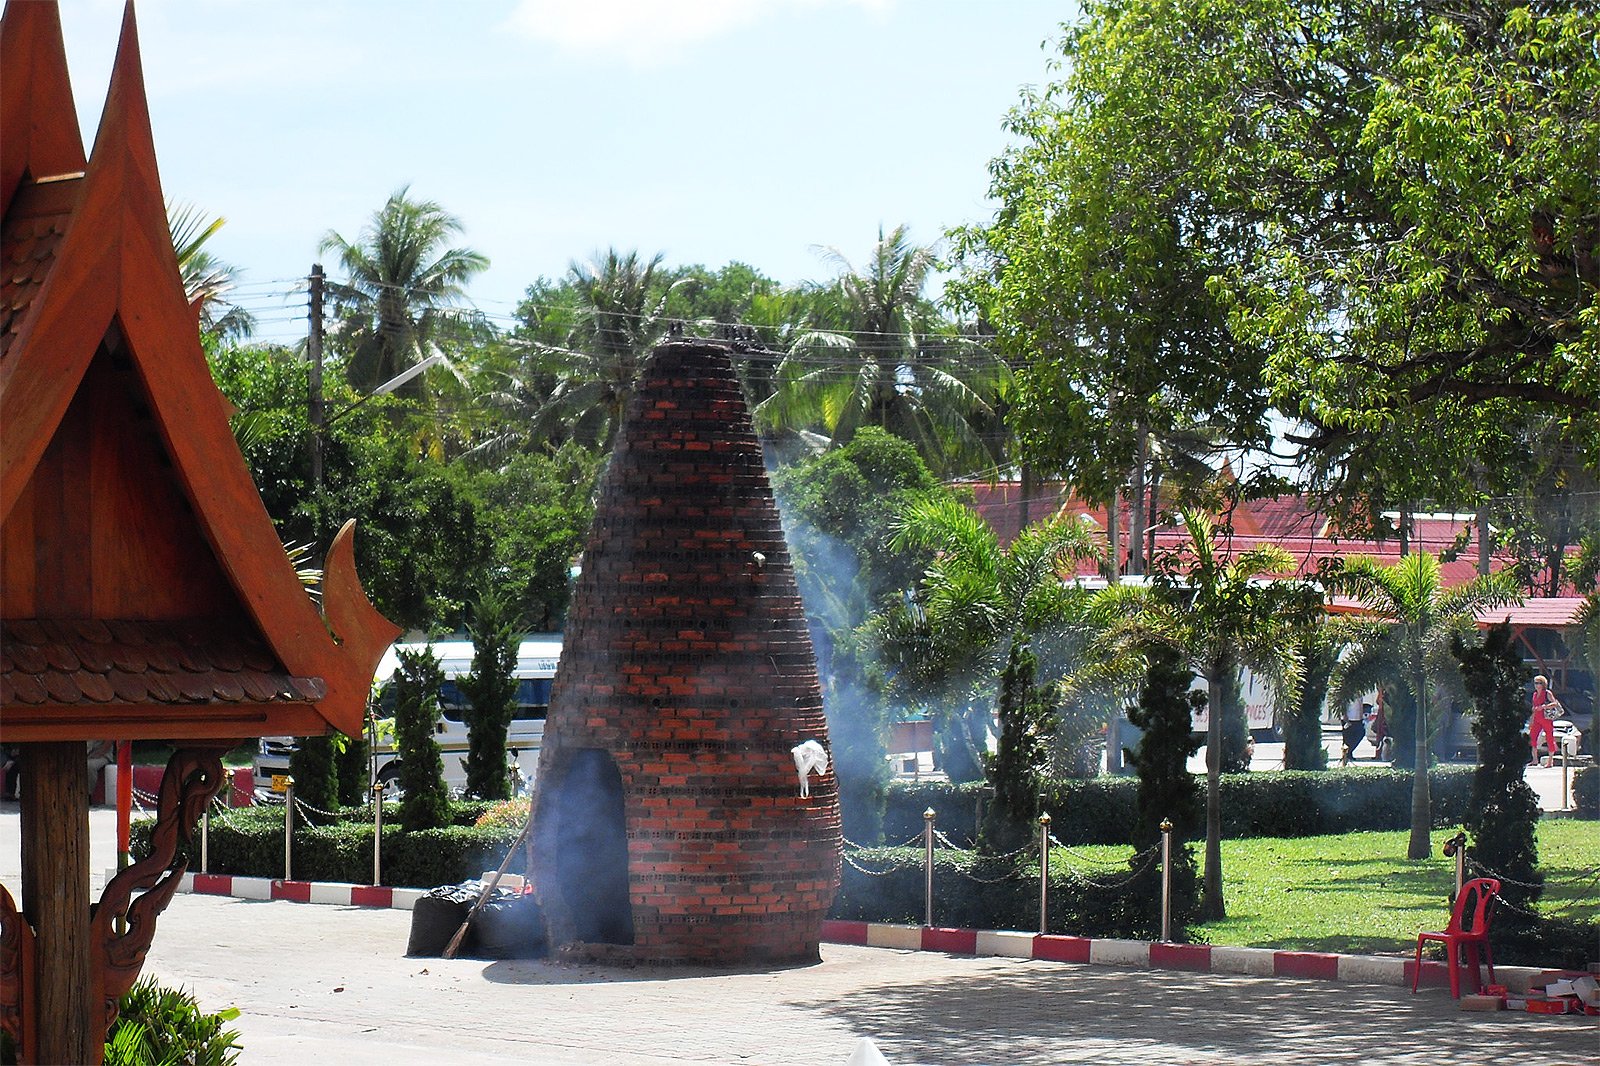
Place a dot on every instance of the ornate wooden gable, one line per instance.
(143, 590)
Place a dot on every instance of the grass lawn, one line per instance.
(1357, 893)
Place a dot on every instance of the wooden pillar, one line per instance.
(55, 898)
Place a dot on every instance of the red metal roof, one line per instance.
(1284, 521)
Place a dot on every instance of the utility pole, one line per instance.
(314, 353)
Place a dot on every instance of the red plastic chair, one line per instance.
(1469, 927)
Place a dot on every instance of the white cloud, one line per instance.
(649, 31)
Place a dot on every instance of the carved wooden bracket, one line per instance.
(16, 972)
(192, 780)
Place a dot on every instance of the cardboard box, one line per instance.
(1547, 1006)
(1482, 1003)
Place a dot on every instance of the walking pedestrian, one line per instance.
(1546, 708)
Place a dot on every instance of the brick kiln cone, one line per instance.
(668, 815)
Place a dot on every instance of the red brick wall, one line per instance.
(687, 658)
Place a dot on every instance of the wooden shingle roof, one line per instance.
(126, 510)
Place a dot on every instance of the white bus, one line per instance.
(537, 657)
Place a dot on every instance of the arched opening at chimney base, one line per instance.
(591, 849)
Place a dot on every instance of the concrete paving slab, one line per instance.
(329, 984)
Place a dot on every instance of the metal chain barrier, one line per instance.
(1090, 859)
(1480, 870)
(302, 806)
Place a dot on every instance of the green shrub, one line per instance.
(1287, 803)
(157, 1025)
(1166, 792)
(312, 764)
(1586, 792)
(971, 891)
(1018, 764)
(416, 684)
(1504, 808)
(491, 693)
(249, 843)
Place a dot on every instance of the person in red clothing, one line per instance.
(1546, 708)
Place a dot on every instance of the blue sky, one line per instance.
(706, 130)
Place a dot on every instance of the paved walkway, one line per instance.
(331, 984)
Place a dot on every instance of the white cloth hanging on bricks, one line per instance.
(809, 756)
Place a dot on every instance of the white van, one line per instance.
(537, 657)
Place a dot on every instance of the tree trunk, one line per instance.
(1027, 496)
(1136, 511)
(1212, 906)
(1420, 844)
(1484, 545)
(1114, 533)
(1151, 518)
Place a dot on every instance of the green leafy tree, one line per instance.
(616, 315)
(1302, 724)
(1017, 768)
(1209, 607)
(1094, 274)
(1167, 790)
(424, 802)
(539, 506)
(977, 602)
(838, 510)
(352, 767)
(879, 354)
(491, 694)
(316, 781)
(422, 543)
(1504, 810)
(401, 283)
(1235, 723)
(1407, 634)
(207, 280)
(1376, 216)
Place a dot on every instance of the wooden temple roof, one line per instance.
(143, 590)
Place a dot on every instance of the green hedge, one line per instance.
(973, 892)
(1284, 803)
(248, 842)
(1586, 792)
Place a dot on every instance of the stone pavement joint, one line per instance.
(1128, 954)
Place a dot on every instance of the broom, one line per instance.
(454, 946)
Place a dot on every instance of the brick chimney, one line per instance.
(669, 825)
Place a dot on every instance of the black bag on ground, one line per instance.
(507, 926)
(436, 916)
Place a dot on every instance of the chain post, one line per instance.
(1564, 795)
(377, 831)
(1461, 867)
(205, 840)
(288, 830)
(927, 866)
(1044, 873)
(1166, 880)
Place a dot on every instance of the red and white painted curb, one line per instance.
(1095, 951)
(267, 888)
(1145, 955)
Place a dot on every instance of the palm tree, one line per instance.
(1213, 610)
(620, 317)
(878, 353)
(980, 606)
(401, 283)
(1411, 616)
(206, 279)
